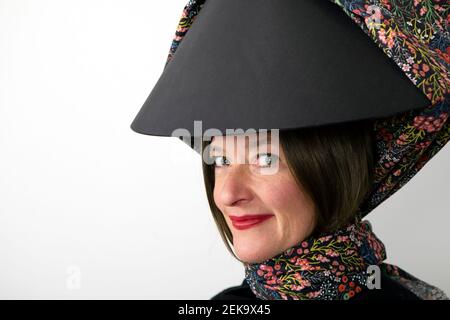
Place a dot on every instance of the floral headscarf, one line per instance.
(415, 35)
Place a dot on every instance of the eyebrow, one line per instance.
(260, 143)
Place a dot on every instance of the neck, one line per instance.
(329, 266)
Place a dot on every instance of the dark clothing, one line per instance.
(390, 290)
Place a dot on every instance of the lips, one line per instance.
(248, 221)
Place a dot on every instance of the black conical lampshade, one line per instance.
(275, 64)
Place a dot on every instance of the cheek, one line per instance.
(283, 195)
(294, 210)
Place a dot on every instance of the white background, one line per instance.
(82, 195)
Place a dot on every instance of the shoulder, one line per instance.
(390, 290)
(240, 292)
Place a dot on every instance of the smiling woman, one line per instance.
(323, 175)
(298, 230)
(355, 124)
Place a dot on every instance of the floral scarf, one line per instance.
(330, 267)
(415, 35)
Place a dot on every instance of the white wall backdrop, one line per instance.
(91, 210)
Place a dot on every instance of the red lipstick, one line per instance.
(248, 221)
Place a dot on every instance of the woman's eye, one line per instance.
(266, 159)
(263, 160)
(220, 161)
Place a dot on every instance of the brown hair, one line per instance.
(333, 164)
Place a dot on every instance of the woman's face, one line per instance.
(243, 189)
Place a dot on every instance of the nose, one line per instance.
(232, 187)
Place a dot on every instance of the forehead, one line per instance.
(241, 142)
(251, 137)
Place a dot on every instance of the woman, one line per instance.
(308, 211)
(299, 232)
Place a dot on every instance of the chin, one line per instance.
(249, 253)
